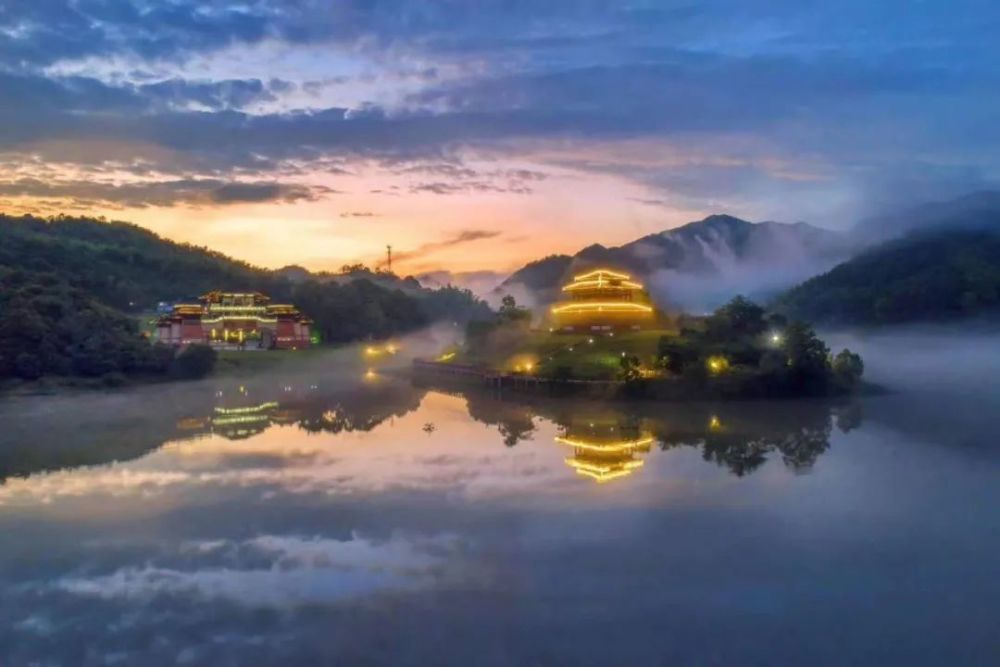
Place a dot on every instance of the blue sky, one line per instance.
(477, 134)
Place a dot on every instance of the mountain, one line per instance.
(932, 275)
(478, 282)
(979, 210)
(123, 265)
(701, 263)
(67, 283)
(349, 273)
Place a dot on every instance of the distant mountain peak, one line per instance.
(719, 245)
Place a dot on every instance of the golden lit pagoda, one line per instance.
(603, 451)
(603, 300)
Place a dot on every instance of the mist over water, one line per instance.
(319, 513)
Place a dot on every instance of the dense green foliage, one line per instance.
(194, 362)
(362, 309)
(925, 277)
(48, 327)
(742, 351)
(66, 283)
(122, 265)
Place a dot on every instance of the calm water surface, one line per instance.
(331, 519)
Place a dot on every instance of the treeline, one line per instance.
(124, 266)
(66, 285)
(931, 276)
(361, 309)
(742, 350)
(48, 327)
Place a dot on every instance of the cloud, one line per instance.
(461, 238)
(480, 283)
(860, 90)
(279, 571)
(191, 192)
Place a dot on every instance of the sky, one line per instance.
(475, 136)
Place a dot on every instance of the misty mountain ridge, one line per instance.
(934, 274)
(975, 211)
(702, 263)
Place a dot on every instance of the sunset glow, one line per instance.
(470, 139)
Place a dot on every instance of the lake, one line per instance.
(335, 516)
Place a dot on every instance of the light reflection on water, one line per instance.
(284, 522)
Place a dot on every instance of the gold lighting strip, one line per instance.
(598, 272)
(609, 448)
(241, 419)
(604, 473)
(217, 320)
(598, 306)
(599, 283)
(214, 307)
(254, 408)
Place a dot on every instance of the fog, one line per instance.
(935, 382)
(51, 420)
(701, 293)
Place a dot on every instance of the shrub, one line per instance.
(194, 361)
(847, 369)
(27, 366)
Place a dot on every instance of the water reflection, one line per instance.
(292, 522)
(607, 441)
(605, 447)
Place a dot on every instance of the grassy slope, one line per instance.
(547, 352)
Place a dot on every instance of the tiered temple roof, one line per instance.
(603, 298)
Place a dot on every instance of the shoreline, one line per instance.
(672, 390)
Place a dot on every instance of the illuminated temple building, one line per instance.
(245, 320)
(604, 451)
(603, 300)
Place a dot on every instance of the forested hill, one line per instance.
(934, 275)
(123, 265)
(66, 284)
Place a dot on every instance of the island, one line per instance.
(605, 336)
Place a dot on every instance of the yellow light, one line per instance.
(600, 283)
(239, 419)
(446, 357)
(598, 272)
(776, 338)
(606, 472)
(371, 351)
(391, 349)
(529, 366)
(255, 408)
(717, 364)
(370, 374)
(714, 423)
(590, 341)
(591, 306)
(607, 448)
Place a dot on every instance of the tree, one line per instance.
(808, 359)
(737, 319)
(27, 366)
(673, 353)
(847, 369)
(629, 372)
(194, 362)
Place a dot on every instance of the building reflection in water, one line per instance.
(604, 441)
(605, 449)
